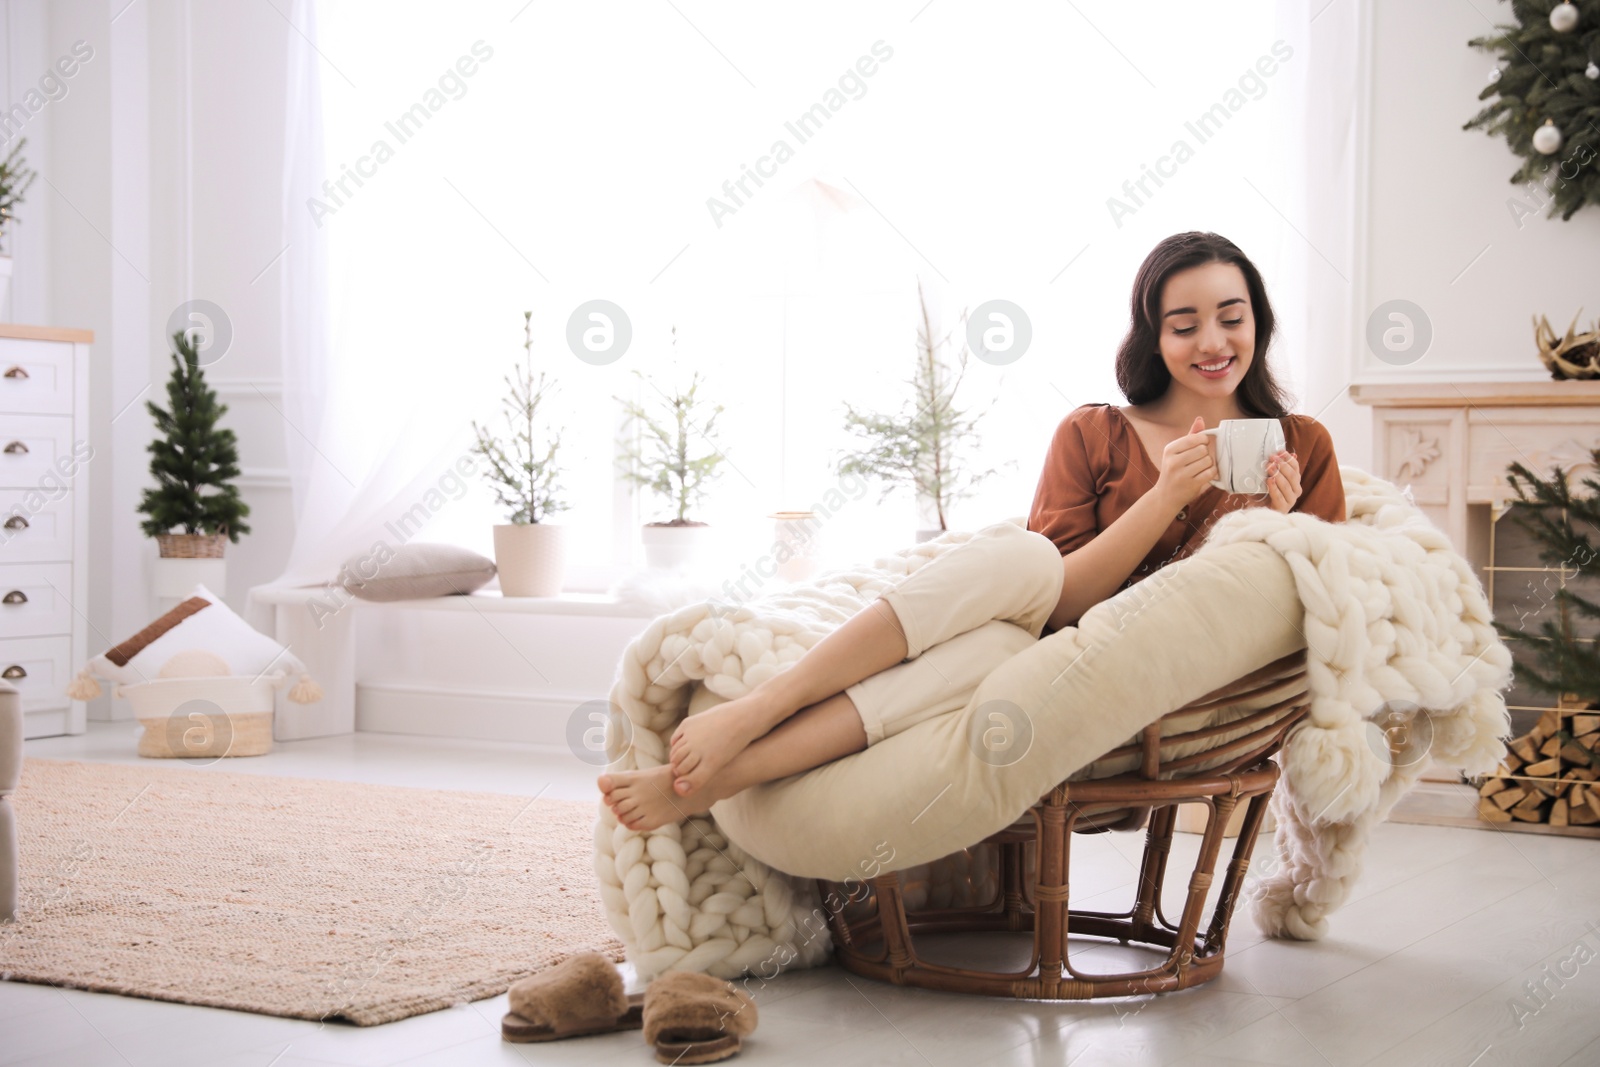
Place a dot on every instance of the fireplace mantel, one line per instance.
(1452, 442)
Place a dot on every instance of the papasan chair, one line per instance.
(1272, 645)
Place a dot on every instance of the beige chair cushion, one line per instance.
(922, 794)
(416, 572)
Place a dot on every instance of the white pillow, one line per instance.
(200, 623)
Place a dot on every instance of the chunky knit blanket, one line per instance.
(1397, 631)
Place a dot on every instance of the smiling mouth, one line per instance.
(1217, 366)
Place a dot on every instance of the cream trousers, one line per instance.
(964, 613)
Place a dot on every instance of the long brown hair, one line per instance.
(1141, 372)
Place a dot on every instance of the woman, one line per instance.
(1123, 491)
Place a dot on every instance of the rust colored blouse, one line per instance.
(1097, 467)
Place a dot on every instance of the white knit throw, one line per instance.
(1395, 622)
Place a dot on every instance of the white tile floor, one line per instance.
(1448, 932)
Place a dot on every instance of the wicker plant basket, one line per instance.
(191, 546)
(204, 717)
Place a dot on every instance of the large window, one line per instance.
(490, 159)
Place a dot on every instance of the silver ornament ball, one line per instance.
(1563, 17)
(1547, 138)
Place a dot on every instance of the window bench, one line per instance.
(481, 666)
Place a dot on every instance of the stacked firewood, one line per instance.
(1551, 775)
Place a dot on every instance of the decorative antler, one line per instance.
(1576, 355)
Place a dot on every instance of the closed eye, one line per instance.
(1225, 322)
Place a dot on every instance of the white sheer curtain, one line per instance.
(576, 161)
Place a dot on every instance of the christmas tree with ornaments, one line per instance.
(1546, 90)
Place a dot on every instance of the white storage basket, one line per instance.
(210, 717)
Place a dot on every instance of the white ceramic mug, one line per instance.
(1243, 448)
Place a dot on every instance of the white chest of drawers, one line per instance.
(44, 458)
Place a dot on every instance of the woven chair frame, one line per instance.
(876, 937)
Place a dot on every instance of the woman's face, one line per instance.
(1206, 320)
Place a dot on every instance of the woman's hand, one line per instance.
(1283, 480)
(1186, 467)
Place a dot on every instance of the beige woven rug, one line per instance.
(294, 896)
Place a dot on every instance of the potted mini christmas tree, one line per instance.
(194, 509)
(665, 464)
(530, 553)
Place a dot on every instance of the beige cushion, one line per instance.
(415, 572)
(925, 793)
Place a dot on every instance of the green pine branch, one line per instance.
(15, 177)
(1561, 524)
(1542, 76)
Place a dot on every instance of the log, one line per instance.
(1573, 752)
(1583, 774)
(1526, 815)
(1583, 817)
(1593, 800)
(1558, 812)
(1545, 768)
(1551, 746)
(1523, 747)
(1492, 786)
(1529, 807)
(1504, 800)
(1489, 813)
(1585, 724)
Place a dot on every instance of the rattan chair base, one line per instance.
(875, 935)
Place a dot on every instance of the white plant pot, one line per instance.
(5, 287)
(675, 548)
(531, 558)
(174, 579)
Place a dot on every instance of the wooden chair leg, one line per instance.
(1200, 882)
(892, 912)
(1238, 866)
(1050, 892)
(1013, 875)
(1153, 868)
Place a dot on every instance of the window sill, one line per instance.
(482, 601)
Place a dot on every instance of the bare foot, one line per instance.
(704, 743)
(643, 800)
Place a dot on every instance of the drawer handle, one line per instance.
(16, 372)
(16, 448)
(13, 672)
(16, 522)
(16, 596)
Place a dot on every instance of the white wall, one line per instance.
(1438, 229)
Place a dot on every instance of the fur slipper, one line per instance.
(580, 995)
(696, 1018)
